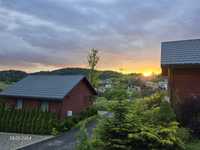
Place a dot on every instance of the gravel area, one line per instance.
(12, 141)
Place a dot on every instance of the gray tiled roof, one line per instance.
(53, 87)
(180, 52)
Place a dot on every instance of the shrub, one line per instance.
(147, 123)
(83, 142)
(54, 131)
(184, 134)
(103, 104)
(188, 113)
(70, 122)
(113, 132)
(90, 111)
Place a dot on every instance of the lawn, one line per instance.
(194, 145)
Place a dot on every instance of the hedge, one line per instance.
(36, 121)
(27, 121)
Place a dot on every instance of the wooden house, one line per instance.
(180, 61)
(63, 95)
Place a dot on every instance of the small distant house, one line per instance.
(180, 61)
(163, 85)
(152, 85)
(104, 85)
(137, 89)
(63, 95)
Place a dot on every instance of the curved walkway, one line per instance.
(65, 141)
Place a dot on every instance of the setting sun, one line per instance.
(147, 74)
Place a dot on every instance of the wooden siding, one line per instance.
(78, 99)
(31, 104)
(55, 107)
(186, 82)
(184, 87)
(10, 103)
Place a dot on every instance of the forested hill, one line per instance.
(12, 75)
(15, 75)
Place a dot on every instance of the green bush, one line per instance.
(67, 123)
(70, 122)
(184, 134)
(103, 104)
(147, 123)
(83, 142)
(90, 111)
(54, 131)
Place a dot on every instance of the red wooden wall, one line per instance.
(76, 101)
(186, 82)
(184, 91)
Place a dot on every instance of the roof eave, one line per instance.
(90, 85)
(31, 97)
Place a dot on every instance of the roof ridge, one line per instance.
(54, 75)
(176, 41)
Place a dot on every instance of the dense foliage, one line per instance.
(36, 121)
(70, 122)
(147, 123)
(102, 104)
(115, 94)
(83, 142)
(26, 121)
(187, 110)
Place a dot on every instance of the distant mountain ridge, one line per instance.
(16, 75)
(12, 75)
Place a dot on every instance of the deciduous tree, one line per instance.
(93, 60)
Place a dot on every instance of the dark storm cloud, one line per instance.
(61, 31)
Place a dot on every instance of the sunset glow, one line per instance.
(147, 74)
(43, 39)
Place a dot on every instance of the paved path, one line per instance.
(65, 141)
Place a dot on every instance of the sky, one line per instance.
(40, 35)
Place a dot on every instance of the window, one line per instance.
(44, 106)
(19, 104)
(69, 113)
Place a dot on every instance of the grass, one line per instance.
(194, 145)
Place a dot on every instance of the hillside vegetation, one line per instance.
(16, 75)
(12, 75)
(143, 124)
(3, 85)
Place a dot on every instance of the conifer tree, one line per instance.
(114, 131)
